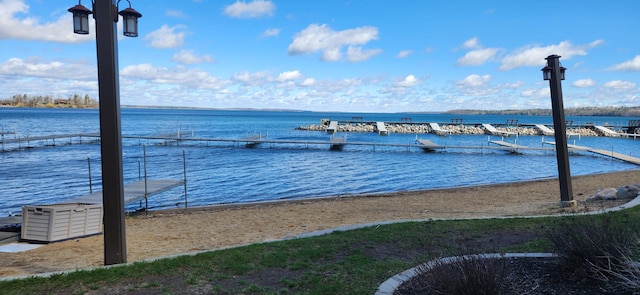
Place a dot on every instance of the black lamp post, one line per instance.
(106, 16)
(554, 73)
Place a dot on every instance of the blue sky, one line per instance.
(348, 55)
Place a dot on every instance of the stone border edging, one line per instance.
(389, 286)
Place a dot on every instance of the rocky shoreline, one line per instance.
(423, 128)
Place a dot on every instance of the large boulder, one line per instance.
(603, 194)
(628, 192)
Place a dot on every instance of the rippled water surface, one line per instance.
(224, 172)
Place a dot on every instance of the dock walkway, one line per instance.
(428, 145)
(514, 148)
(611, 154)
(135, 191)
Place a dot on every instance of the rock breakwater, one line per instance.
(423, 128)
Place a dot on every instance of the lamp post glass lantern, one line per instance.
(546, 72)
(81, 19)
(130, 21)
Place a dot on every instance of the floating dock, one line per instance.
(514, 148)
(135, 191)
(427, 145)
(337, 143)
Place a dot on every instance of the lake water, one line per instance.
(227, 173)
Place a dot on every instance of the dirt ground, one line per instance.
(179, 231)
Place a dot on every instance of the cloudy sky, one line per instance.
(335, 55)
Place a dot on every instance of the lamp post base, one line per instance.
(568, 204)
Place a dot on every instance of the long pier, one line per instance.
(27, 140)
(611, 154)
(337, 143)
(606, 153)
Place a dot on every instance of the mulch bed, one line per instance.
(530, 276)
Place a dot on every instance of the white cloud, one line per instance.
(321, 38)
(538, 92)
(308, 82)
(404, 53)
(629, 66)
(477, 57)
(290, 75)
(47, 69)
(619, 85)
(252, 78)
(356, 54)
(472, 44)
(188, 57)
(535, 55)
(30, 28)
(254, 9)
(271, 33)
(408, 81)
(166, 37)
(584, 83)
(180, 75)
(475, 80)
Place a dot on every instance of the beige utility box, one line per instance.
(50, 223)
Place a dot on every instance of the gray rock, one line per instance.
(603, 194)
(628, 192)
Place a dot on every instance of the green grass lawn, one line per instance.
(351, 262)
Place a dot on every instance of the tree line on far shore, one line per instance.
(77, 101)
(47, 101)
(583, 111)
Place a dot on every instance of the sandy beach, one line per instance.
(172, 232)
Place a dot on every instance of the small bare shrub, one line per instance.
(466, 275)
(596, 247)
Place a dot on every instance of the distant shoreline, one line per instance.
(583, 111)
